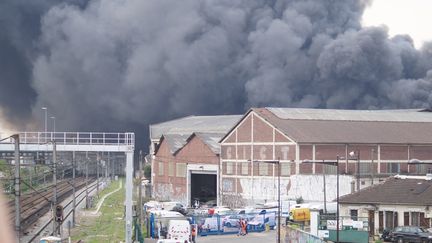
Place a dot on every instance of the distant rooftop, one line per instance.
(351, 126)
(190, 124)
(408, 115)
(408, 190)
(175, 141)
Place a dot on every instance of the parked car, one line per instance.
(403, 234)
(234, 220)
(264, 218)
(385, 236)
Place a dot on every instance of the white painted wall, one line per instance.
(309, 187)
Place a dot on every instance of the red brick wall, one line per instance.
(421, 152)
(263, 152)
(329, 152)
(231, 138)
(279, 137)
(244, 130)
(262, 131)
(282, 153)
(306, 152)
(197, 152)
(394, 153)
(228, 152)
(365, 151)
(163, 155)
(194, 152)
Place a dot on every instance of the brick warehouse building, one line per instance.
(185, 157)
(384, 139)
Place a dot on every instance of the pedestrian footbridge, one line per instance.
(79, 142)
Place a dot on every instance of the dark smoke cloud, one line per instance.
(20, 29)
(120, 65)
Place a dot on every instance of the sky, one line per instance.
(411, 17)
(114, 66)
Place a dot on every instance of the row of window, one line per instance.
(263, 168)
(389, 219)
(174, 169)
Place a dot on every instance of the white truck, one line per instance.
(179, 231)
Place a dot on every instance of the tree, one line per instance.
(299, 200)
(147, 172)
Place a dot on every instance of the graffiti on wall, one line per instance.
(294, 235)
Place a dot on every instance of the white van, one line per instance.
(179, 230)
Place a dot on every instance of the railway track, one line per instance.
(35, 205)
(92, 186)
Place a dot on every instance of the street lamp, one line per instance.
(335, 163)
(279, 192)
(355, 155)
(45, 109)
(54, 123)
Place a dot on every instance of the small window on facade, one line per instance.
(415, 218)
(406, 218)
(393, 168)
(285, 169)
(170, 168)
(263, 169)
(354, 214)
(229, 168)
(161, 169)
(245, 168)
(181, 169)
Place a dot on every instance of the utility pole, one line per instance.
(373, 167)
(279, 202)
(324, 189)
(17, 189)
(97, 175)
(73, 185)
(358, 170)
(140, 190)
(86, 174)
(106, 168)
(110, 171)
(54, 154)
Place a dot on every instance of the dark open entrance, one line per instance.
(203, 188)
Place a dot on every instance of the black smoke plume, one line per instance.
(120, 65)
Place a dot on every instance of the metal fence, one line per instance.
(295, 235)
(215, 224)
(73, 138)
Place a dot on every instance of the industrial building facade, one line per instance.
(382, 142)
(185, 158)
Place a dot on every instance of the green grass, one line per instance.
(109, 226)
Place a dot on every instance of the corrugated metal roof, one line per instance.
(350, 131)
(212, 140)
(190, 124)
(175, 141)
(395, 190)
(408, 115)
